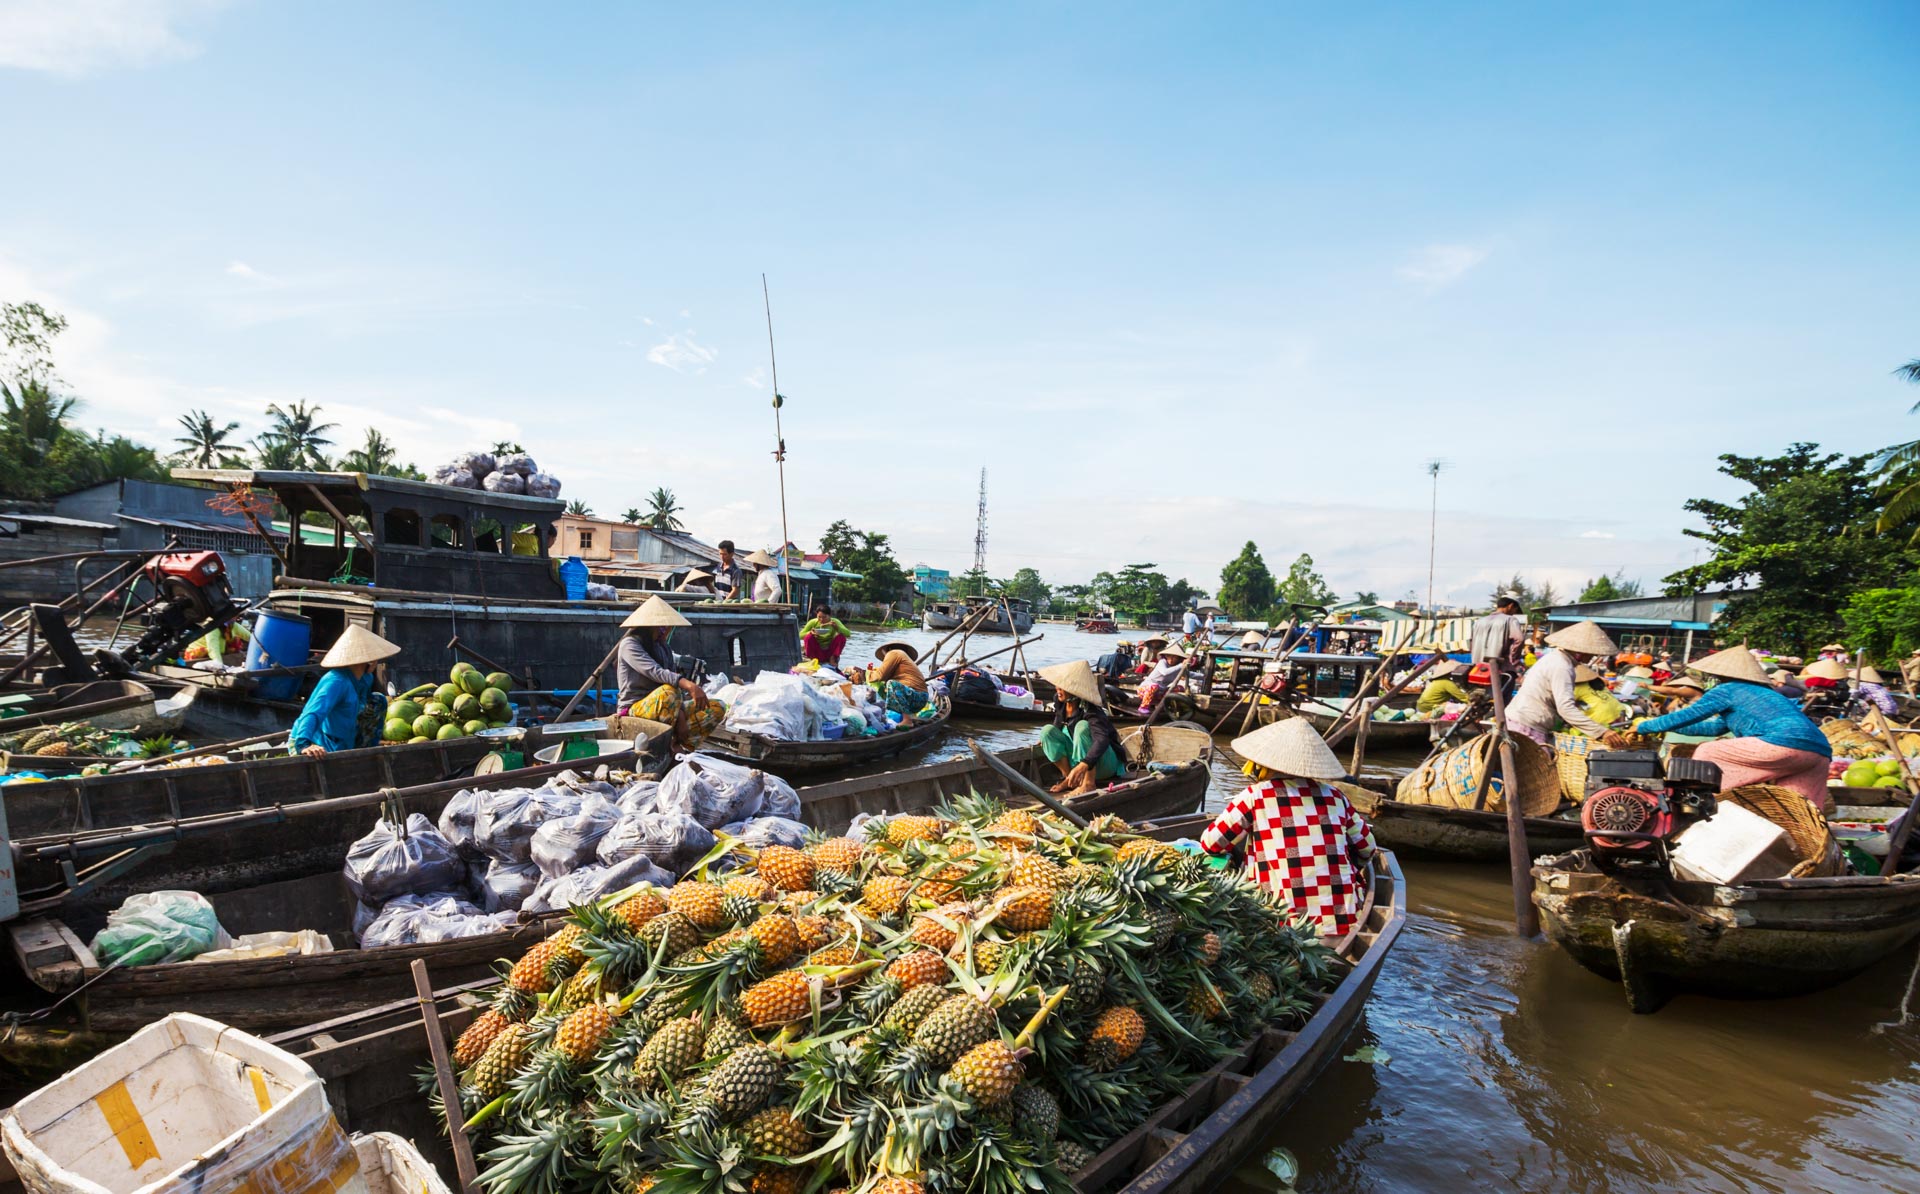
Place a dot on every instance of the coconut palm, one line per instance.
(630, 514)
(579, 509)
(120, 457)
(661, 510)
(376, 455)
(204, 443)
(298, 426)
(33, 419)
(1899, 470)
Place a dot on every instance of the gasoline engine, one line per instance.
(1634, 807)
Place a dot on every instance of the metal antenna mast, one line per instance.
(1434, 467)
(780, 445)
(980, 535)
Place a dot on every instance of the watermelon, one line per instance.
(472, 683)
(405, 710)
(474, 726)
(397, 729)
(426, 725)
(449, 732)
(465, 707)
(500, 680)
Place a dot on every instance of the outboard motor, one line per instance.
(1635, 807)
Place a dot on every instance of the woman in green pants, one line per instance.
(1081, 741)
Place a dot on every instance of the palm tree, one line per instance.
(375, 456)
(630, 514)
(204, 443)
(299, 427)
(121, 457)
(270, 454)
(579, 509)
(1899, 470)
(661, 509)
(33, 419)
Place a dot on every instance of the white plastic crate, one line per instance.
(184, 1106)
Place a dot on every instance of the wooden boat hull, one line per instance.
(368, 1061)
(1761, 940)
(789, 759)
(106, 704)
(1459, 834)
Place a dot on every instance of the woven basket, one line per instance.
(1570, 753)
(1452, 778)
(1812, 839)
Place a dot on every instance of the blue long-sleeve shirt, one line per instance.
(1745, 710)
(331, 716)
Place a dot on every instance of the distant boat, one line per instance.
(948, 615)
(1100, 621)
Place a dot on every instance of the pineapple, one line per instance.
(752, 887)
(785, 867)
(1210, 947)
(914, 1007)
(572, 994)
(779, 940)
(639, 908)
(988, 1073)
(742, 1084)
(1033, 870)
(795, 901)
(1204, 1002)
(740, 909)
(1071, 1158)
(987, 957)
(885, 895)
(1037, 1113)
(675, 929)
(904, 829)
(957, 1025)
(843, 952)
(723, 1038)
(583, 1032)
(936, 930)
(500, 1062)
(1085, 984)
(54, 750)
(1015, 822)
(785, 997)
(1025, 909)
(815, 931)
(641, 1184)
(479, 1034)
(44, 737)
(776, 1133)
(897, 1185)
(779, 1180)
(531, 973)
(701, 903)
(565, 944)
(1164, 856)
(1165, 923)
(839, 855)
(916, 969)
(1114, 1038)
(671, 1051)
(1261, 985)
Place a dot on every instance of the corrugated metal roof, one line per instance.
(56, 520)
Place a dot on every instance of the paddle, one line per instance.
(1898, 844)
(1035, 790)
(593, 682)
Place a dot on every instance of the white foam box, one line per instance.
(393, 1165)
(1733, 846)
(186, 1105)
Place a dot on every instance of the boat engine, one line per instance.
(191, 597)
(1634, 807)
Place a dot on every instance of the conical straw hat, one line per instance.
(1833, 647)
(1640, 673)
(358, 645)
(1735, 663)
(908, 649)
(1290, 747)
(1582, 674)
(1171, 652)
(696, 576)
(655, 612)
(1584, 637)
(1868, 675)
(1674, 686)
(760, 559)
(1075, 680)
(1825, 669)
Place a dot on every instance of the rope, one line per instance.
(1906, 1002)
(14, 1021)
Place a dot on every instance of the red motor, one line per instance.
(1629, 824)
(196, 577)
(1625, 811)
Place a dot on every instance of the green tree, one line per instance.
(28, 330)
(45, 457)
(1367, 597)
(1797, 545)
(375, 455)
(203, 443)
(297, 425)
(275, 454)
(1897, 471)
(119, 458)
(1884, 624)
(1027, 586)
(881, 578)
(630, 514)
(1611, 588)
(579, 509)
(504, 447)
(1070, 599)
(1180, 595)
(1531, 599)
(663, 511)
(1303, 585)
(1246, 587)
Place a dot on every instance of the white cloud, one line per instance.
(1597, 534)
(756, 379)
(1439, 266)
(680, 353)
(240, 269)
(81, 37)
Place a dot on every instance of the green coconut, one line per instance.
(472, 682)
(405, 710)
(397, 729)
(459, 669)
(1887, 767)
(475, 726)
(466, 707)
(501, 724)
(418, 738)
(446, 694)
(426, 725)
(494, 702)
(450, 732)
(500, 681)
(436, 709)
(1889, 781)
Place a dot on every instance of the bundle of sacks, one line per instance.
(804, 706)
(568, 842)
(512, 472)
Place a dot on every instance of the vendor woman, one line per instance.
(897, 680)
(1303, 841)
(651, 686)
(1081, 741)
(330, 720)
(824, 637)
(1444, 688)
(1773, 742)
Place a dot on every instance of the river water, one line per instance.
(1500, 1064)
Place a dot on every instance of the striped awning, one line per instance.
(1417, 635)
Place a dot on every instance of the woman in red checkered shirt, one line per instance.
(1303, 841)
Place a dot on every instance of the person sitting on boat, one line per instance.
(1870, 687)
(1147, 654)
(1591, 692)
(1166, 670)
(1442, 690)
(766, 582)
(1678, 693)
(1546, 696)
(1835, 652)
(1772, 743)
(824, 636)
(698, 581)
(1827, 691)
(331, 718)
(1787, 682)
(896, 680)
(1303, 841)
(1081, 741)
(1663, 669)
(651, 685)
(1115, 664)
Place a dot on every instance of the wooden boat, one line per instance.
(1187, 1146)
(1763, 939)
(287, 875)
(948, 615)
(1458, 834)
(105, 704)
(1034, 714)
(788, 759)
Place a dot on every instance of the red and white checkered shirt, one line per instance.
(1305, 844)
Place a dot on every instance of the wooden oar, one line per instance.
(443, 1076)
(1035, 790)
(1334, 737)
(593, 681)
(1526, 918)
(1898, 844)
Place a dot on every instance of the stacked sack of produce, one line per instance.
(513, 472)
(979, 1001)
(798, 706)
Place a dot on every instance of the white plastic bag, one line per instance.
(711, 791)
(506, 885)
(762, 832)
(435, 916)
(565, 843)
(589, 883)
(160, 926)
(508, 819)
(395, 859)
(673, 840)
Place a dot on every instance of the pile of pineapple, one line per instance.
(975, 1001)
(59, 741)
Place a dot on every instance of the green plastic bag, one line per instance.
(160, 926)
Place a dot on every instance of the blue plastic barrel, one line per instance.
(573, 574)
(279, 640)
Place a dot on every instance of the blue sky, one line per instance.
(1178, 276)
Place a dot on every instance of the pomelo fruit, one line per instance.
(1860, 775)
(1889, 781)
(1887, 767)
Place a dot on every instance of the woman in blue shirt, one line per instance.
(1772, 741)
(330, 719)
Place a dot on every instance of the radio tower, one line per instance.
(980, 531)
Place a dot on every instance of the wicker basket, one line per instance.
(1812, 839)
(1570, 753)
(1451, 779)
